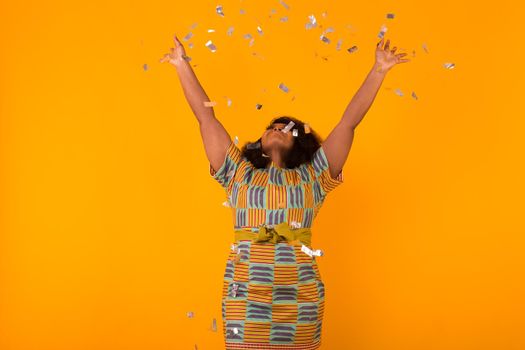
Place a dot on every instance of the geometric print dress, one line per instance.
(273, 295)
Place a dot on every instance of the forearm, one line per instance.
(362, 100)
(193, 91)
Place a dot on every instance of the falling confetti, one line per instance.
(145, 66)
(414, 95)
(230, 31)
(259, 30)
(235, 330)
(211, 30)
(449, 65)
(288, 126)
(250, 44)
(188, 36)
(227, 204)
(352, 49)
(190, 314)
(242, 11)
(312, 22)
(295, 224)
(425, 47)
(339, 43)
(295, 132)
(236, 140)
(399, 92)
(258, 106)
(229, 101)
(284, 5)
(219, 10)
(210, 103)
(306, 128)
(193, 26)
(283, 87)
(389, 15)
(284, 19)
(211, 46)
(324, 14)
(190, 45)
(325, 39)
(247, 36)
(382, 31)
(329, 30)
(214, 325)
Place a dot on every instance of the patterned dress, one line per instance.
(273, 297)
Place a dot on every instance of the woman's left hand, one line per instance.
(386, 58)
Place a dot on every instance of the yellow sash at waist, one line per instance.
(276, 234)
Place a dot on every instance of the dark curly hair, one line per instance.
(304, 146)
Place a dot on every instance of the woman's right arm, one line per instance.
(214, 136)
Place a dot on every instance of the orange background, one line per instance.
(112, 228)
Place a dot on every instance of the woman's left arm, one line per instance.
(338, 143)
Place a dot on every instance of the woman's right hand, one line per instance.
(177, 54)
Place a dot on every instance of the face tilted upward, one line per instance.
(274, 137)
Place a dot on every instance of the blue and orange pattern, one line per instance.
(273, 296)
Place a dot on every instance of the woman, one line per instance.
(273, 294)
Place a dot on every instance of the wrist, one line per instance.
(378, 68)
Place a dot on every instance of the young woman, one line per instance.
(273, 294)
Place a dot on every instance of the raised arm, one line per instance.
(215, 138)
(338, 143)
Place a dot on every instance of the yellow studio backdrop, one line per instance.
(112, 229)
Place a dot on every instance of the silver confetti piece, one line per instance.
(312, 22)
(236, 140)
(382, 31)
(288, 126)
(295, 132)
(190, 45)
(352, 49)
(211, 30)
(242, 11)
(425, 47)
(193, 26)
(414, 95)
(219, 10)
(449, 65)
(399, 92)
(229, 101)
(214, 325)
(284, 19)
(329, 30)
(295, 224)
(190, 314)
(390, 15)
(324, 14)
(339, 43)
(273, 11)
(258, 106)
(188, 36)
(284, 5)
(247, 36)
(259, 30)
(250, 44)
(235, 330)
(283, 87)
(325, 39)
(145, 66)
(211, 46)
(230, 31)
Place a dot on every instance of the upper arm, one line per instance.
(229, 165)
(337, 146)
(216, 141)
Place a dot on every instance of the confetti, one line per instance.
(389, 15)
(190, 45)
(311, 252)
(210, 103)
(235, 288)
(247, 36)
(399, 92)
(339, 42)
(190, 314)
(235, 330)
(236, 140)
(188, 36)
(295, 224)
(382, 31)
(312, 22)
(230, 31)
(229, 101)
(425, 47)
(283, 87)
(145, 66)
(211, 30)
(219, 10)
(211, 46)
(306, 128)
(284, 19)
(258, 106)
(242, 11)
(250, 44)
(295, 132)
(414, 95)
(352, 49)
(193, 26)
(227, 204)
(449, 65)
(324, 14)
(325, 39)
(288, 126)
(284, 5)
(214, 325)
(329, 30)
(273, 11)
(259, 30)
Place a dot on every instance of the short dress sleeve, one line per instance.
(322, 175)
(225, 174)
